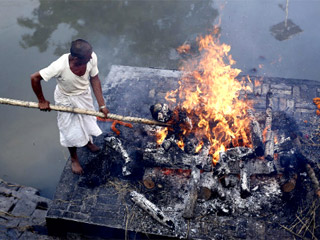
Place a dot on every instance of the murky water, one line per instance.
(136, 33)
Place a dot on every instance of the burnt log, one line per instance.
(219, 190)
(284, 145)
(269, 141)
(210, 187)
(244, 182)
(192, 194)
(256, 134)
(229, 163)
(241, 153)
(116, 145)
(151, 209)
(150, 177)
(176, 158)
(290, 183)
(315, 181)
(206, 185)
(269, 148)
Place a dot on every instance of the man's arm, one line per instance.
(96, 87)
(36, 78)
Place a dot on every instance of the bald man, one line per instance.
(74, 71)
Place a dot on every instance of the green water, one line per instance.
(135, 33)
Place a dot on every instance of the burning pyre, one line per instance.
(209, 95)
(214, 159)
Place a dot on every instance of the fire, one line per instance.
(161, 135)
(185, 48)
(180, 144)
(199, 147)
(264, 134)
(208, 92)
(257, 83)
(179, 172)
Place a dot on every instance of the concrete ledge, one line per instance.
(22, 212)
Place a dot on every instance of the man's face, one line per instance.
(85, 59)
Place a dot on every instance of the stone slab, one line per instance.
(22, 212)
(98, 201)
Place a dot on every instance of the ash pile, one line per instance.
(183, 194)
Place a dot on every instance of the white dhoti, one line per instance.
(76, 130)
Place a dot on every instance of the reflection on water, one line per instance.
(286, 29)
(140, 33)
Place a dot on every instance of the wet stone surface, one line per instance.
(22, 212)
(98, 202)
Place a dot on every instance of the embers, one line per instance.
(182, 178)
(238, 173)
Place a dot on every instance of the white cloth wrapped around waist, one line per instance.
(76, 130)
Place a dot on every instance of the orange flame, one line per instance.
(208, 92)
(257, 83)
(161, 135)
(264, 134)
(199, 147)
(180, 144)
(185, 48)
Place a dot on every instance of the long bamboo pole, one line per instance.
(112, 116)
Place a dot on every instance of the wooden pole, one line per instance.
(112, 116)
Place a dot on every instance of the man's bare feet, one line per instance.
(76, 167)
(92, 147)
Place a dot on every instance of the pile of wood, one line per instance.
(236, 167)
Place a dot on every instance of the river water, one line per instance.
(33, 33)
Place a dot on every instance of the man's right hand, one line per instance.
(44, 105)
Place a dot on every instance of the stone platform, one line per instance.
(97, 203)
(22, 212)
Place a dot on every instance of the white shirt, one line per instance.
(68, 82)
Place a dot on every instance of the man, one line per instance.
(74, 72)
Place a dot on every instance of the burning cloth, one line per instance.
(76, 130)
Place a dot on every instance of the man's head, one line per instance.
(81, 50)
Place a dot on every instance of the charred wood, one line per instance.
(115, 144)
(219, 191)
(241, 153)
(244, 182)
(269, 148)
(167, 143)
(222, 167)
(315, 181)
(206, 185)
(256, 134)
(283, 146)
(150, 177)
(151, 209)
(269, 143)
(191, 144)
(192, 196)
(290, 184)
(286, 158)
(229, 163)
(181, 121)
(176, 158)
